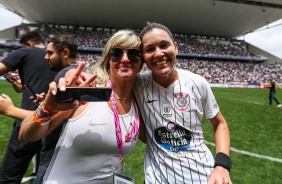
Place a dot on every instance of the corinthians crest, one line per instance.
(181, 101)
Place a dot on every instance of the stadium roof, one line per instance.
(229, 18)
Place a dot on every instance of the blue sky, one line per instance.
(269, 39)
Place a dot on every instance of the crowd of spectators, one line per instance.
(214, 71)
(215, 46)
(89, 37)
(224, 72)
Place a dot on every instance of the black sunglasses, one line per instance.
(134, 55)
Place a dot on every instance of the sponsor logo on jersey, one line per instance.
(173, 137)
(166, 109)
(181, 101)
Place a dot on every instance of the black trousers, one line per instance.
(272, 96)
(17, 158)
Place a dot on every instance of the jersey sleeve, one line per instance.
(14, 60)
(208, 101)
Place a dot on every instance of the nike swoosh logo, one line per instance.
(151, 101)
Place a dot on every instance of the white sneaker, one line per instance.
(280, 105)
(28, 178)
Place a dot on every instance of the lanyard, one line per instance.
(117, 122)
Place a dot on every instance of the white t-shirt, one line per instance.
(176, 152)
(87, 151)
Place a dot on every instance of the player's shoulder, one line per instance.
(144, 75)
(190, 75)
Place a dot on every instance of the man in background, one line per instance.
(61, 55)
(272, 91)
(34, 71)
(14, 78)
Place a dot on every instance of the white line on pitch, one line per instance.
(250, 154)
(244, 101)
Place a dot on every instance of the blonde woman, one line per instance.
(96, 135)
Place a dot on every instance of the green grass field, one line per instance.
(255, 129)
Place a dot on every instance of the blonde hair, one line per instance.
(125, 38)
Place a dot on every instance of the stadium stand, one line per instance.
(219, 60)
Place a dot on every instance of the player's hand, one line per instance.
(219, 175)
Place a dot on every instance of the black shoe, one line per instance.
(28, 178)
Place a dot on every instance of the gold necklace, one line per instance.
(118, 98)
(126, 129)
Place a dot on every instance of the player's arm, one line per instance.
(222, 142)
(221, 134)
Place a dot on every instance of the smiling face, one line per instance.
(159, 53)
(124, 68)
(115, 63)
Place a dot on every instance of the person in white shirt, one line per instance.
(172, 103)
(96, 135)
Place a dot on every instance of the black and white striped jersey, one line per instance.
(176, 152)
